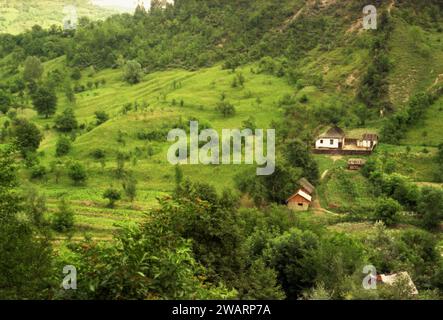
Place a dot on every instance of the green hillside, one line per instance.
(88, 112)
(16, 16)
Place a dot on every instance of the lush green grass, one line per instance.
(419, 163)
(346, 191)
(200, 92)
(417, 59)
(429, 131)
(17, 15)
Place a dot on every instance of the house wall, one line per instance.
(366, 143)
(343, 152)
(294, 204)
(326, 143)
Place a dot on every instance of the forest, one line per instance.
(84, 177)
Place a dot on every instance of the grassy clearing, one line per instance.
(418, 164)
(346, 191)
(429, 131)
(18, 15)
(161, 94)
(417, 60)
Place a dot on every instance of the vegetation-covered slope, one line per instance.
(89, 112)
(17, 16)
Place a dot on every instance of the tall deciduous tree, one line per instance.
(45, 101)
(33, 69)
(25, 264)
(132, 72)
(27, 135)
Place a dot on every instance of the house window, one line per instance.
(332, 141)
(300, 204)
(321, 141)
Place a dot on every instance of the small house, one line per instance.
(368, 141)
(306, 186)
(391, 279)
(300, 201)
(334, 138)
(356, 164)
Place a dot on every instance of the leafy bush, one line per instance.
(63, 146)
(63, 220)
(132, 72)
(66, 122)
(387, 211)
(101, 117)
(113, 196)
(38, 172)
(27, 135)
(77, 173)
(226, 109)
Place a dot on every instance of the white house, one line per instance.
(369, 140)
(334, 138)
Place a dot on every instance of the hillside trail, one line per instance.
(316, 205)
(297, 14)
(291, 19)
(391, 6)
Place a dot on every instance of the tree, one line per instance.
(63, 146)
(63, 220)
(273, 188)
(101, 117)
(66, 122)
(261, 283)
(430, 206)
(440, 154)
(35, 206)
(198, 213)
(33, 69)
(27, 136)
(132, 72)
(45, 101)
(113, 196)
(226, 109)
(25, 265)
(5, 101)
(76, 74)
(298, 155)
(144, 262)
(178, 175)
(387, 210)
(77, 173)
(291, 256)
(130, 187)
(69, 93)
(249, 124)
(121, 162)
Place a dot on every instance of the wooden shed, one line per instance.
(356, 164)
(306, 186)
(300, 201)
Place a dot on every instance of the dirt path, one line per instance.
(323, 176)
(290, 20)
(316, 205)
(429, 184)
(391, 6)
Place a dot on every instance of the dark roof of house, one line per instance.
(370, 137)
(333, 132)
(305, 184)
